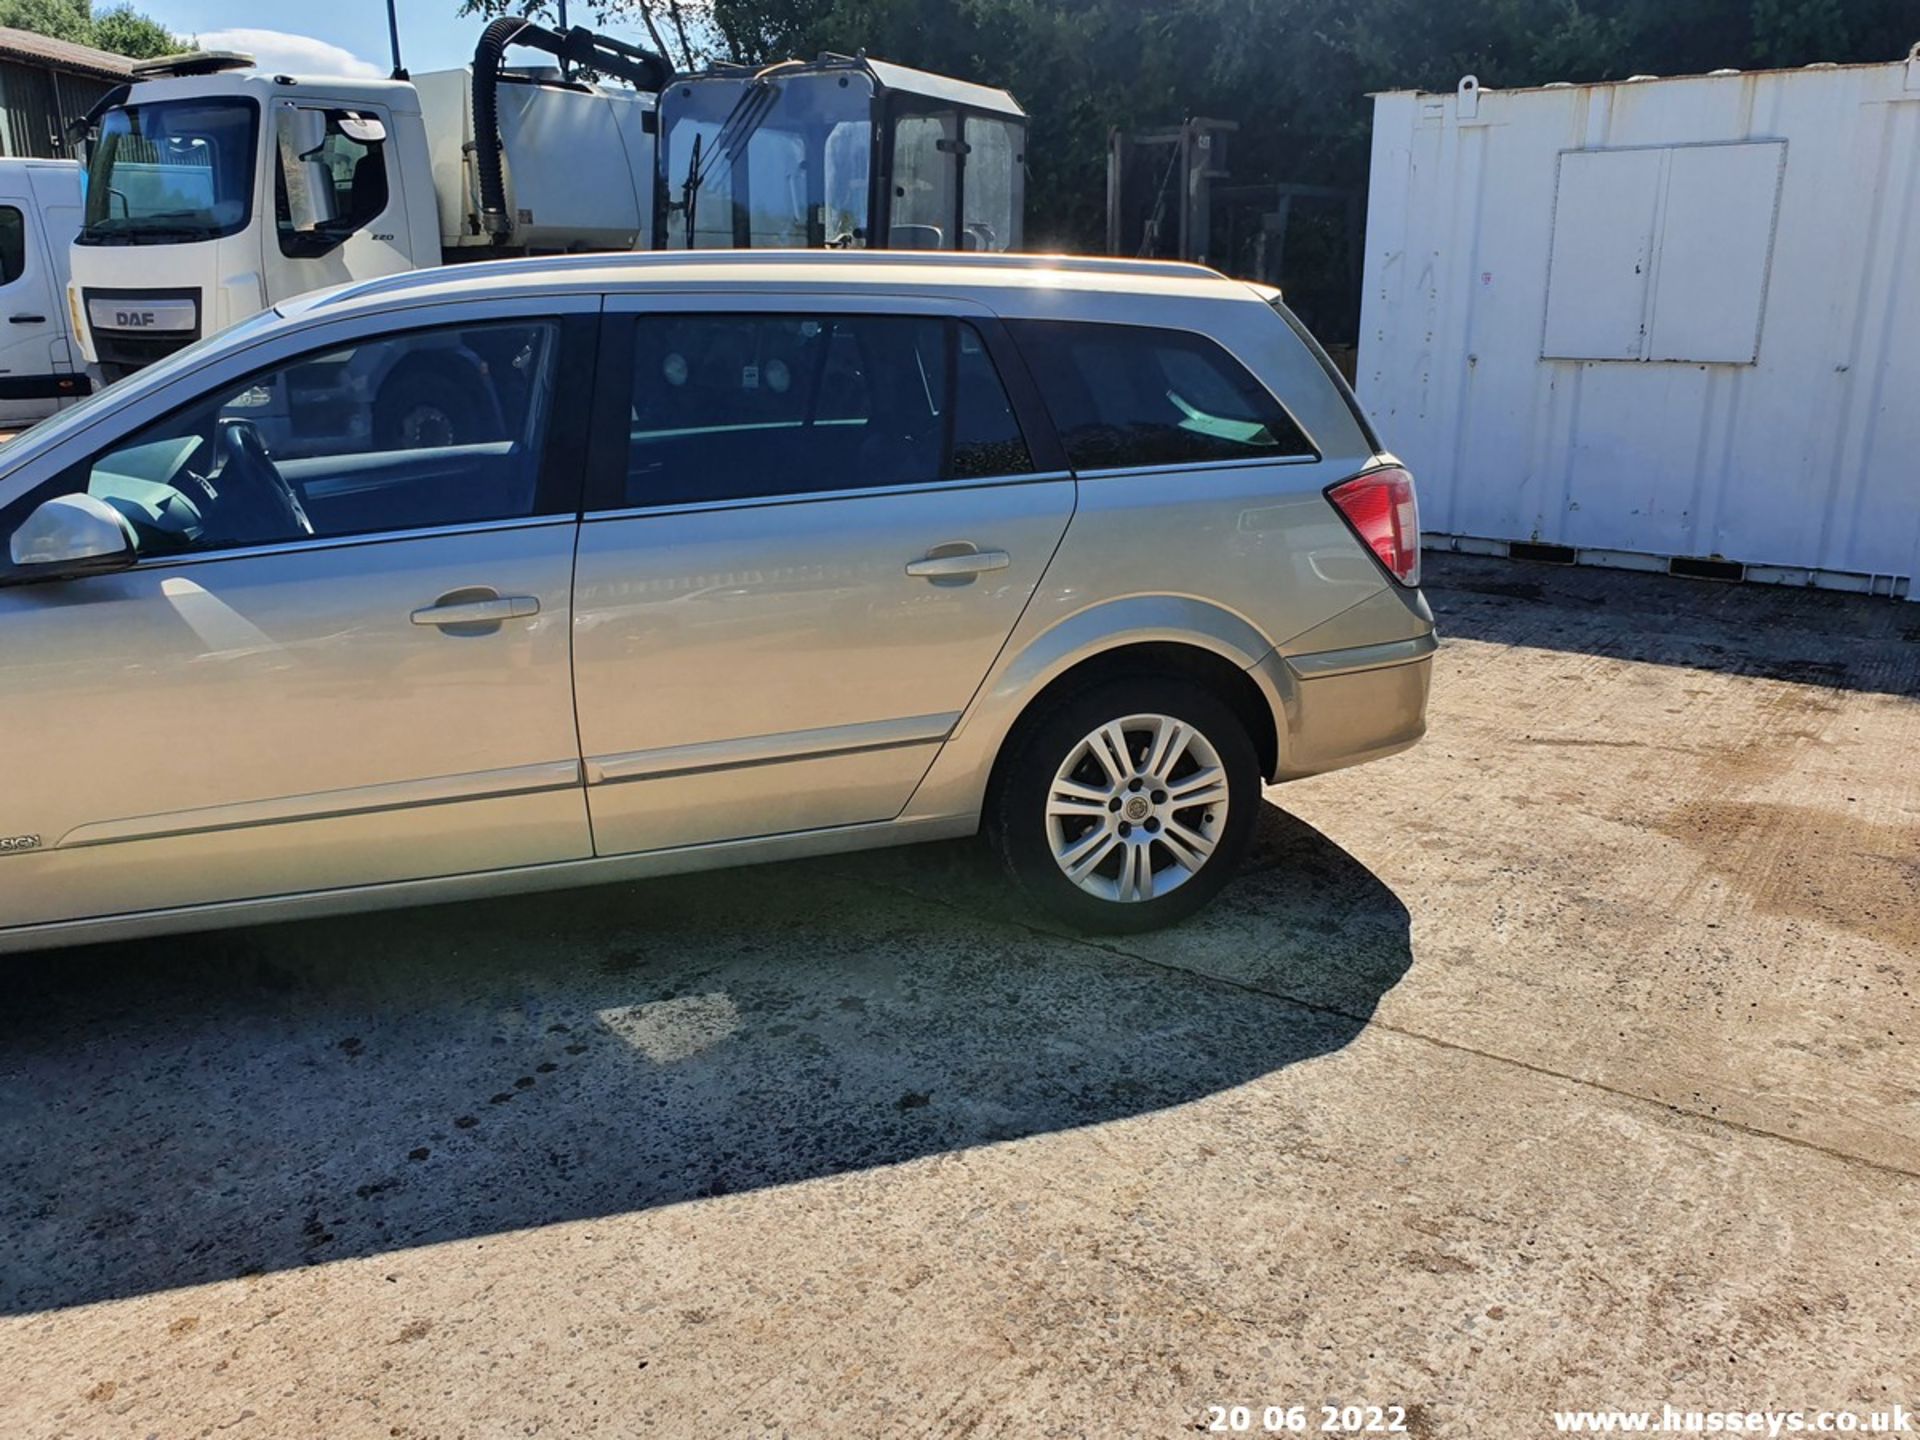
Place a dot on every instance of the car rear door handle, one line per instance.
(488, 611)
(26, 319)
(965, 562)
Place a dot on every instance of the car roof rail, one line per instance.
(641, 261)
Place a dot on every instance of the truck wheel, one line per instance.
(1128, 807)
(419, 410)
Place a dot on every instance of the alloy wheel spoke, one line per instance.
(1076, 806)
(1189, 848)
(1136, 873)
(1170, 742)
(1109, 746)
(1202, 787)
(1085, 856)
(1066, 786)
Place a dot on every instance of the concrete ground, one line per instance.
(1570, 1060)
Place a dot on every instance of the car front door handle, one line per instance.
(26, 319)
(961, 563)
(488, 610)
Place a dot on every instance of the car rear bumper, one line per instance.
(1344, 707)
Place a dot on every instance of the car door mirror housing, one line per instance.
(70, 536)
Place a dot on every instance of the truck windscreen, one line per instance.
(171, 171)
(779, 162)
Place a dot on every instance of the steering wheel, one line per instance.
(256, 500)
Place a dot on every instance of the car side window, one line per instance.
(430, 428)
(729, 407)
(13, 244)
(1137, 395)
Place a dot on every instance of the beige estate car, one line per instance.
(536, 573)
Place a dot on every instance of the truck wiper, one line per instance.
(743, 121)
(690, 192)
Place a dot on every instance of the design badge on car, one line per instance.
(13, 844)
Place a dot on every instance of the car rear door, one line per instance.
(813, 523)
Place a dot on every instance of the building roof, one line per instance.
(27, 47)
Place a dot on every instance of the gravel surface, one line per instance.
(1568, 1060)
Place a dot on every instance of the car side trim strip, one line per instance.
(347, 542)
(768, 749)
(812, 497)
(326, 804)
(1362, 657)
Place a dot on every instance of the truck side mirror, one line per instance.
(363, 129)
(70, 536)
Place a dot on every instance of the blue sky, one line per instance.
(331, 35)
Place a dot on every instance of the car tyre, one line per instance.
(1149, 836)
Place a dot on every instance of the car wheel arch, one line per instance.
(1209, 666)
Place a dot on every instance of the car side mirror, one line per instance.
(70, 536)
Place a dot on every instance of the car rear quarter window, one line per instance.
(1125, 396)
(733, 406)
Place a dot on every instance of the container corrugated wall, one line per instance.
(1659, 318)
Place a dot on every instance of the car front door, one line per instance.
(341, 658)
(817, 524)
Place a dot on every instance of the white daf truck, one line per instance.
(214, 189)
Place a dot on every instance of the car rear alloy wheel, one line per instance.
(1127, 806)
(1137, 808)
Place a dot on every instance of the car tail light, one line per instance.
(1381, 508)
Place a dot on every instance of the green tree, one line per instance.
(122, 30)
(126, 31)
(62, 19)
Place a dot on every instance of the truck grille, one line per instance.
(121, 354)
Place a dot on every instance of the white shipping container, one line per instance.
(1657, 318)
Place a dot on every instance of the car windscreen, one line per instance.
(171, 171)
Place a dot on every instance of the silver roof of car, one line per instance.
(825, 270)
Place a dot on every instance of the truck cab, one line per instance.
(213, 190)
(841, 152)
(40, 370)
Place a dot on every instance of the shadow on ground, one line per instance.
(198, 1108)
(1771, 632)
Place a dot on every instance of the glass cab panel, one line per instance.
(768, 161)
(926, 182)
(996, 184)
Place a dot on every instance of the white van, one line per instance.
(40, 367)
